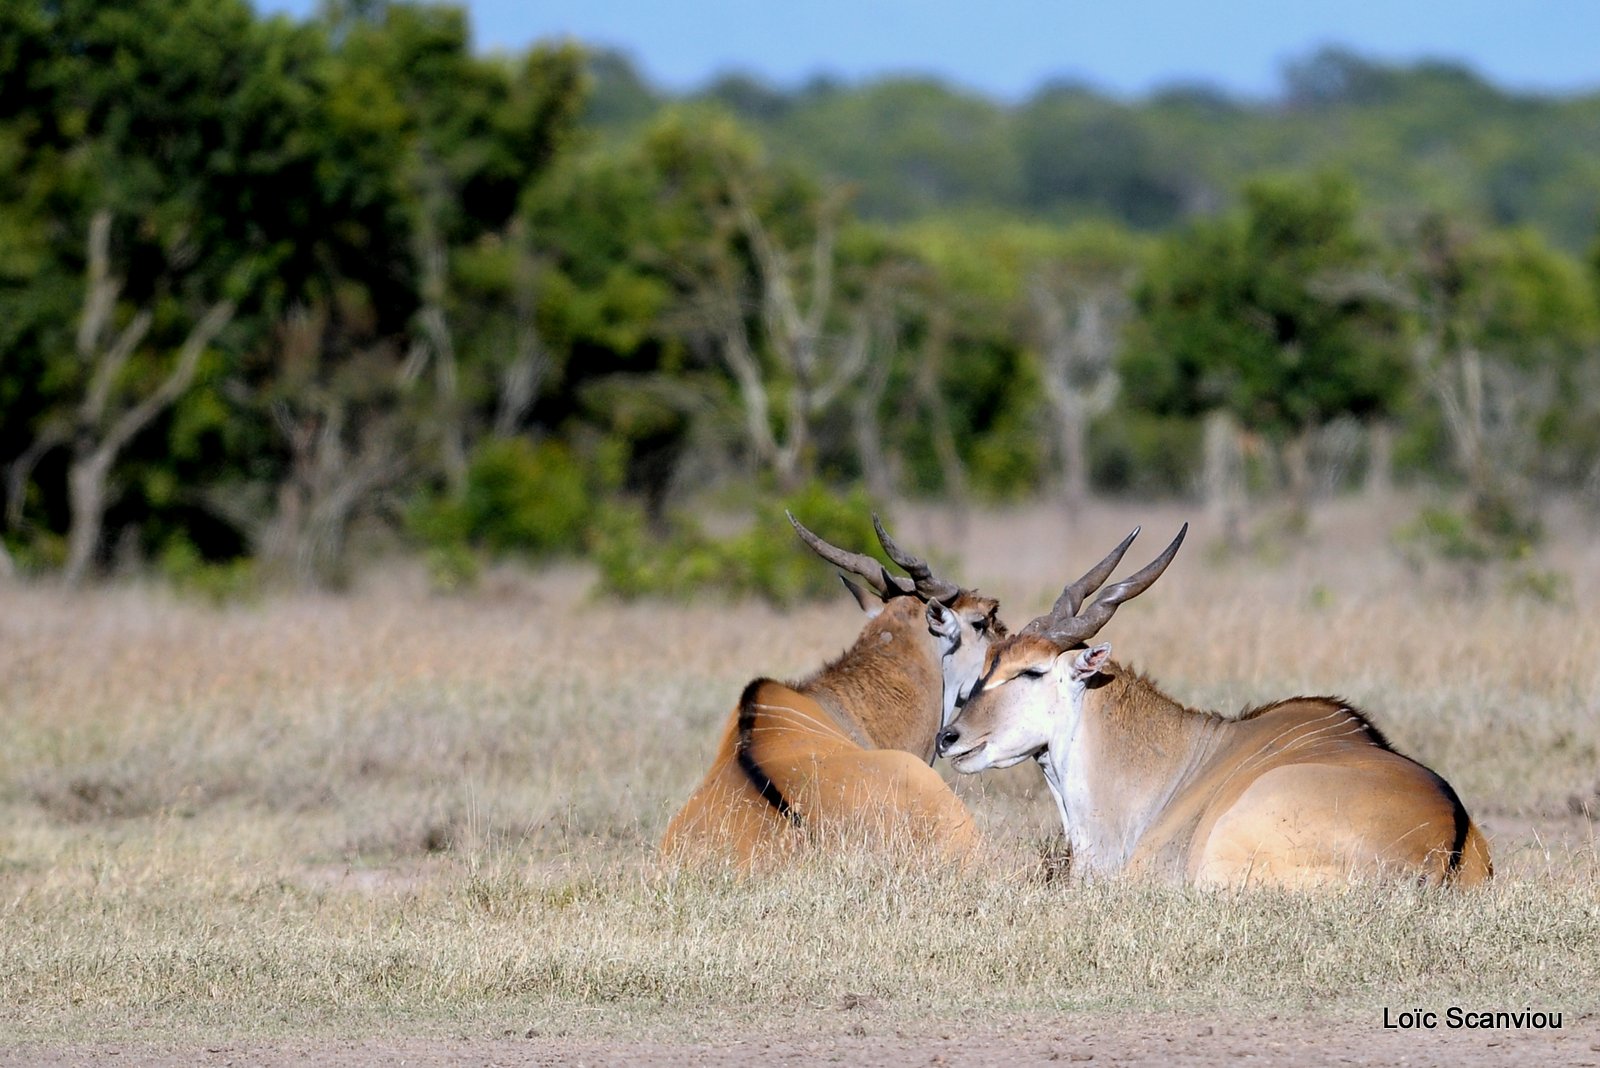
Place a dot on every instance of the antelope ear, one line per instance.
(1088, 662)
(943, 621)
(870, 604)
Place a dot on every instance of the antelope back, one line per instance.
(1309, 791)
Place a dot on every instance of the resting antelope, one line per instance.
(1300, 791)
(846, 753)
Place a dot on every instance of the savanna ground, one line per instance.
(396, 825)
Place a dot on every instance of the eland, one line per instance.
(844, 756)
(1296, 792)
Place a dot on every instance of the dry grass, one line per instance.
(401, 812)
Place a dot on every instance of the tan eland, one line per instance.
(1297, 792)
(844, 755)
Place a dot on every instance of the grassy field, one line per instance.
(403, 813)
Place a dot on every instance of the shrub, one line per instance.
(1134, 452)
(1491, 534)
(526, 498)
(631, 563)
(521, 499)
(219, 582)
(767, 560)
(42, 552)
(1491, 530)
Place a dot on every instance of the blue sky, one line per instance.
(1007, 47)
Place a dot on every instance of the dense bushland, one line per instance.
(274, 294)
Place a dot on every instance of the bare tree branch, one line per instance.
(96, 445)
(822, 264)
(100, 289)
(99, 305)
(1077, 321)
(741, 361)
(790, 339)
(433, 269)
(935, 350)
(873, 324)
(341, 456)
(531, 360)
(94, 455)
(20, 471)
(108, 365)
(172, 387)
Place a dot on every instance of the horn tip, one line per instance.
(1172, 550)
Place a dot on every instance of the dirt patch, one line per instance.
(1077, 1039)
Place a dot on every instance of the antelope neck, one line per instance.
(887, 690)
(1120, 752)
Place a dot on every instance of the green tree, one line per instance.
(1500, 326)
(1059, 298)
(141, 138)
(912, 145)
(753, 249)
(1236, 315)
(472, 134)
(1086, 155)
(1078, 305)
(975, 403)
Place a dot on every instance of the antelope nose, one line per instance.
(947, 738)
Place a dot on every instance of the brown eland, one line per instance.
(844, 755)
(1297, 792)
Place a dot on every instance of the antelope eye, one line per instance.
(1033, 672)
(980, 625)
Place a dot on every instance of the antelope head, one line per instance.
(963, 622)
(1030, 692)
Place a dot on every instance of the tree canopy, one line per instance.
(272, 288)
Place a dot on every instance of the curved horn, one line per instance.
(1081, 628)
(861, 565)
(1072, 596)
(929, 588)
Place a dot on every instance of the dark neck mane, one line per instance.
(1139, 708)
(1374, 734)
